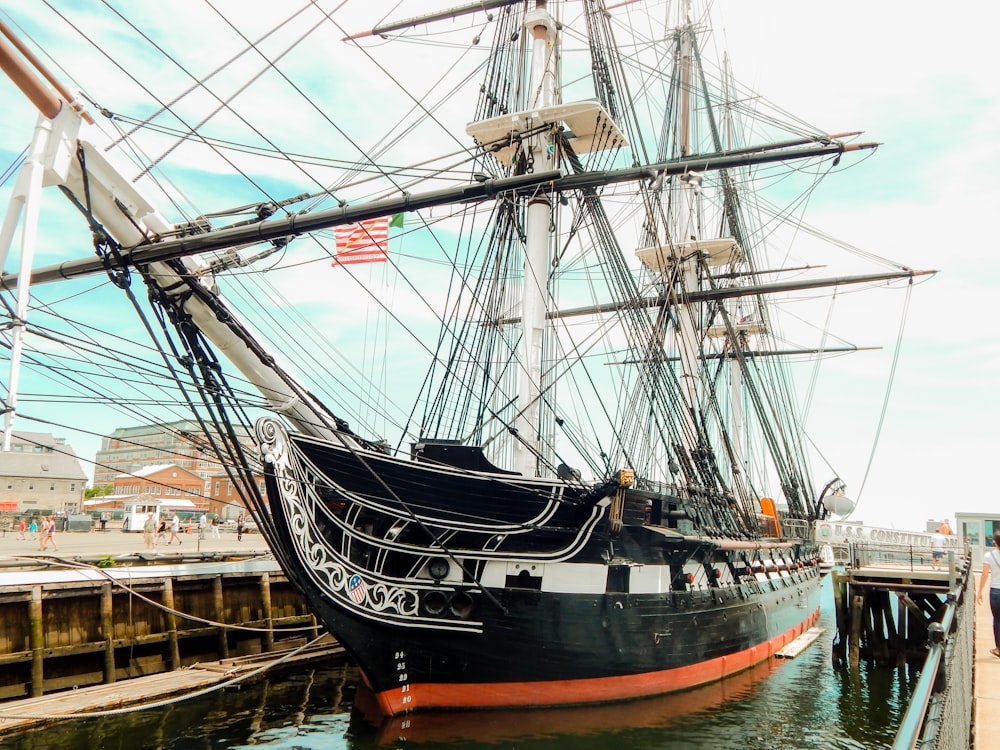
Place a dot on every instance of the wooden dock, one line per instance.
(63, 628)
(986, 683)
(145, 692)
(869, 627)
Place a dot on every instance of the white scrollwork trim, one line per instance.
(323, 564)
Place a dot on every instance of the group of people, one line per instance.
(40, 528)
(155, 531)
(215, 525)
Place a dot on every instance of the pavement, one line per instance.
(986, 679)
(116, 543)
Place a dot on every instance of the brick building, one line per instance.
(224, 496)
(160, 481)
(129, 449)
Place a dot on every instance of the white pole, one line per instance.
(536, 260)
(27, 196)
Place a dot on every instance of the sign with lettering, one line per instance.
(847, 532)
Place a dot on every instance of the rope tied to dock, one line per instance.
(5, 716)
(73, 565)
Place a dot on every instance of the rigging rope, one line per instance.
(885, 399)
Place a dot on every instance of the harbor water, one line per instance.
(781, 704)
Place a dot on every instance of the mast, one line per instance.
(684, 258)
(25, 198)
(686, 229)
(534, 294)
(743, 330)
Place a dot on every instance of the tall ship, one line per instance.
(569, 467)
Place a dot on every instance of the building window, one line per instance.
(229, 489)
(52, 487)
(217, 486)
(31, 485)
(991, 527)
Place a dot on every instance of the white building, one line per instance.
(40, 474)
(976, 530)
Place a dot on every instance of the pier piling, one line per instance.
(63, 629)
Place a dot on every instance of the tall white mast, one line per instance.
(679, 260)
(25, 199)
(589, 127)
(534, 295)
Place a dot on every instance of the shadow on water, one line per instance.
(778, 705)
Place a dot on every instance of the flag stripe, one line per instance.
(359, 256)
(364, 242)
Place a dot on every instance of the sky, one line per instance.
(921, 85)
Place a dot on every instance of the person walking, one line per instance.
(937, 548)
(50, 534)
(202, 523)
(161, 530)
(175, 526)
(240, 523)
(216, 523)
(47, 534)
(991, 571)
(43, 528)
(33, 528)
(148, 530)
(21, 528)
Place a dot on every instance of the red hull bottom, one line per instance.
(500, 695)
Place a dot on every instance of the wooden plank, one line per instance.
(19, 714)
(800, 644)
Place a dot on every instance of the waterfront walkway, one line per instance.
(986, 679)
(78, 544)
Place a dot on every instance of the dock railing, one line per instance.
(907, 555)
(933, 622)
(940, 710)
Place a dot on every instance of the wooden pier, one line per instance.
(869, 626)
(63, 629)
(19, 715)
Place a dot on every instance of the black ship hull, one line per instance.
(535, 604)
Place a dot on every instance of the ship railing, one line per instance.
(796, 528)
(939, 713)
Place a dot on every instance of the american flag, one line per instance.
(356, 588)
(364, 242)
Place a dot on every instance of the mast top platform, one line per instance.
(587, 124)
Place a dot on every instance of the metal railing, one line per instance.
(909, 556)
(939, 714)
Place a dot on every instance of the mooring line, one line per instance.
(167, 701)
(74, 565)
